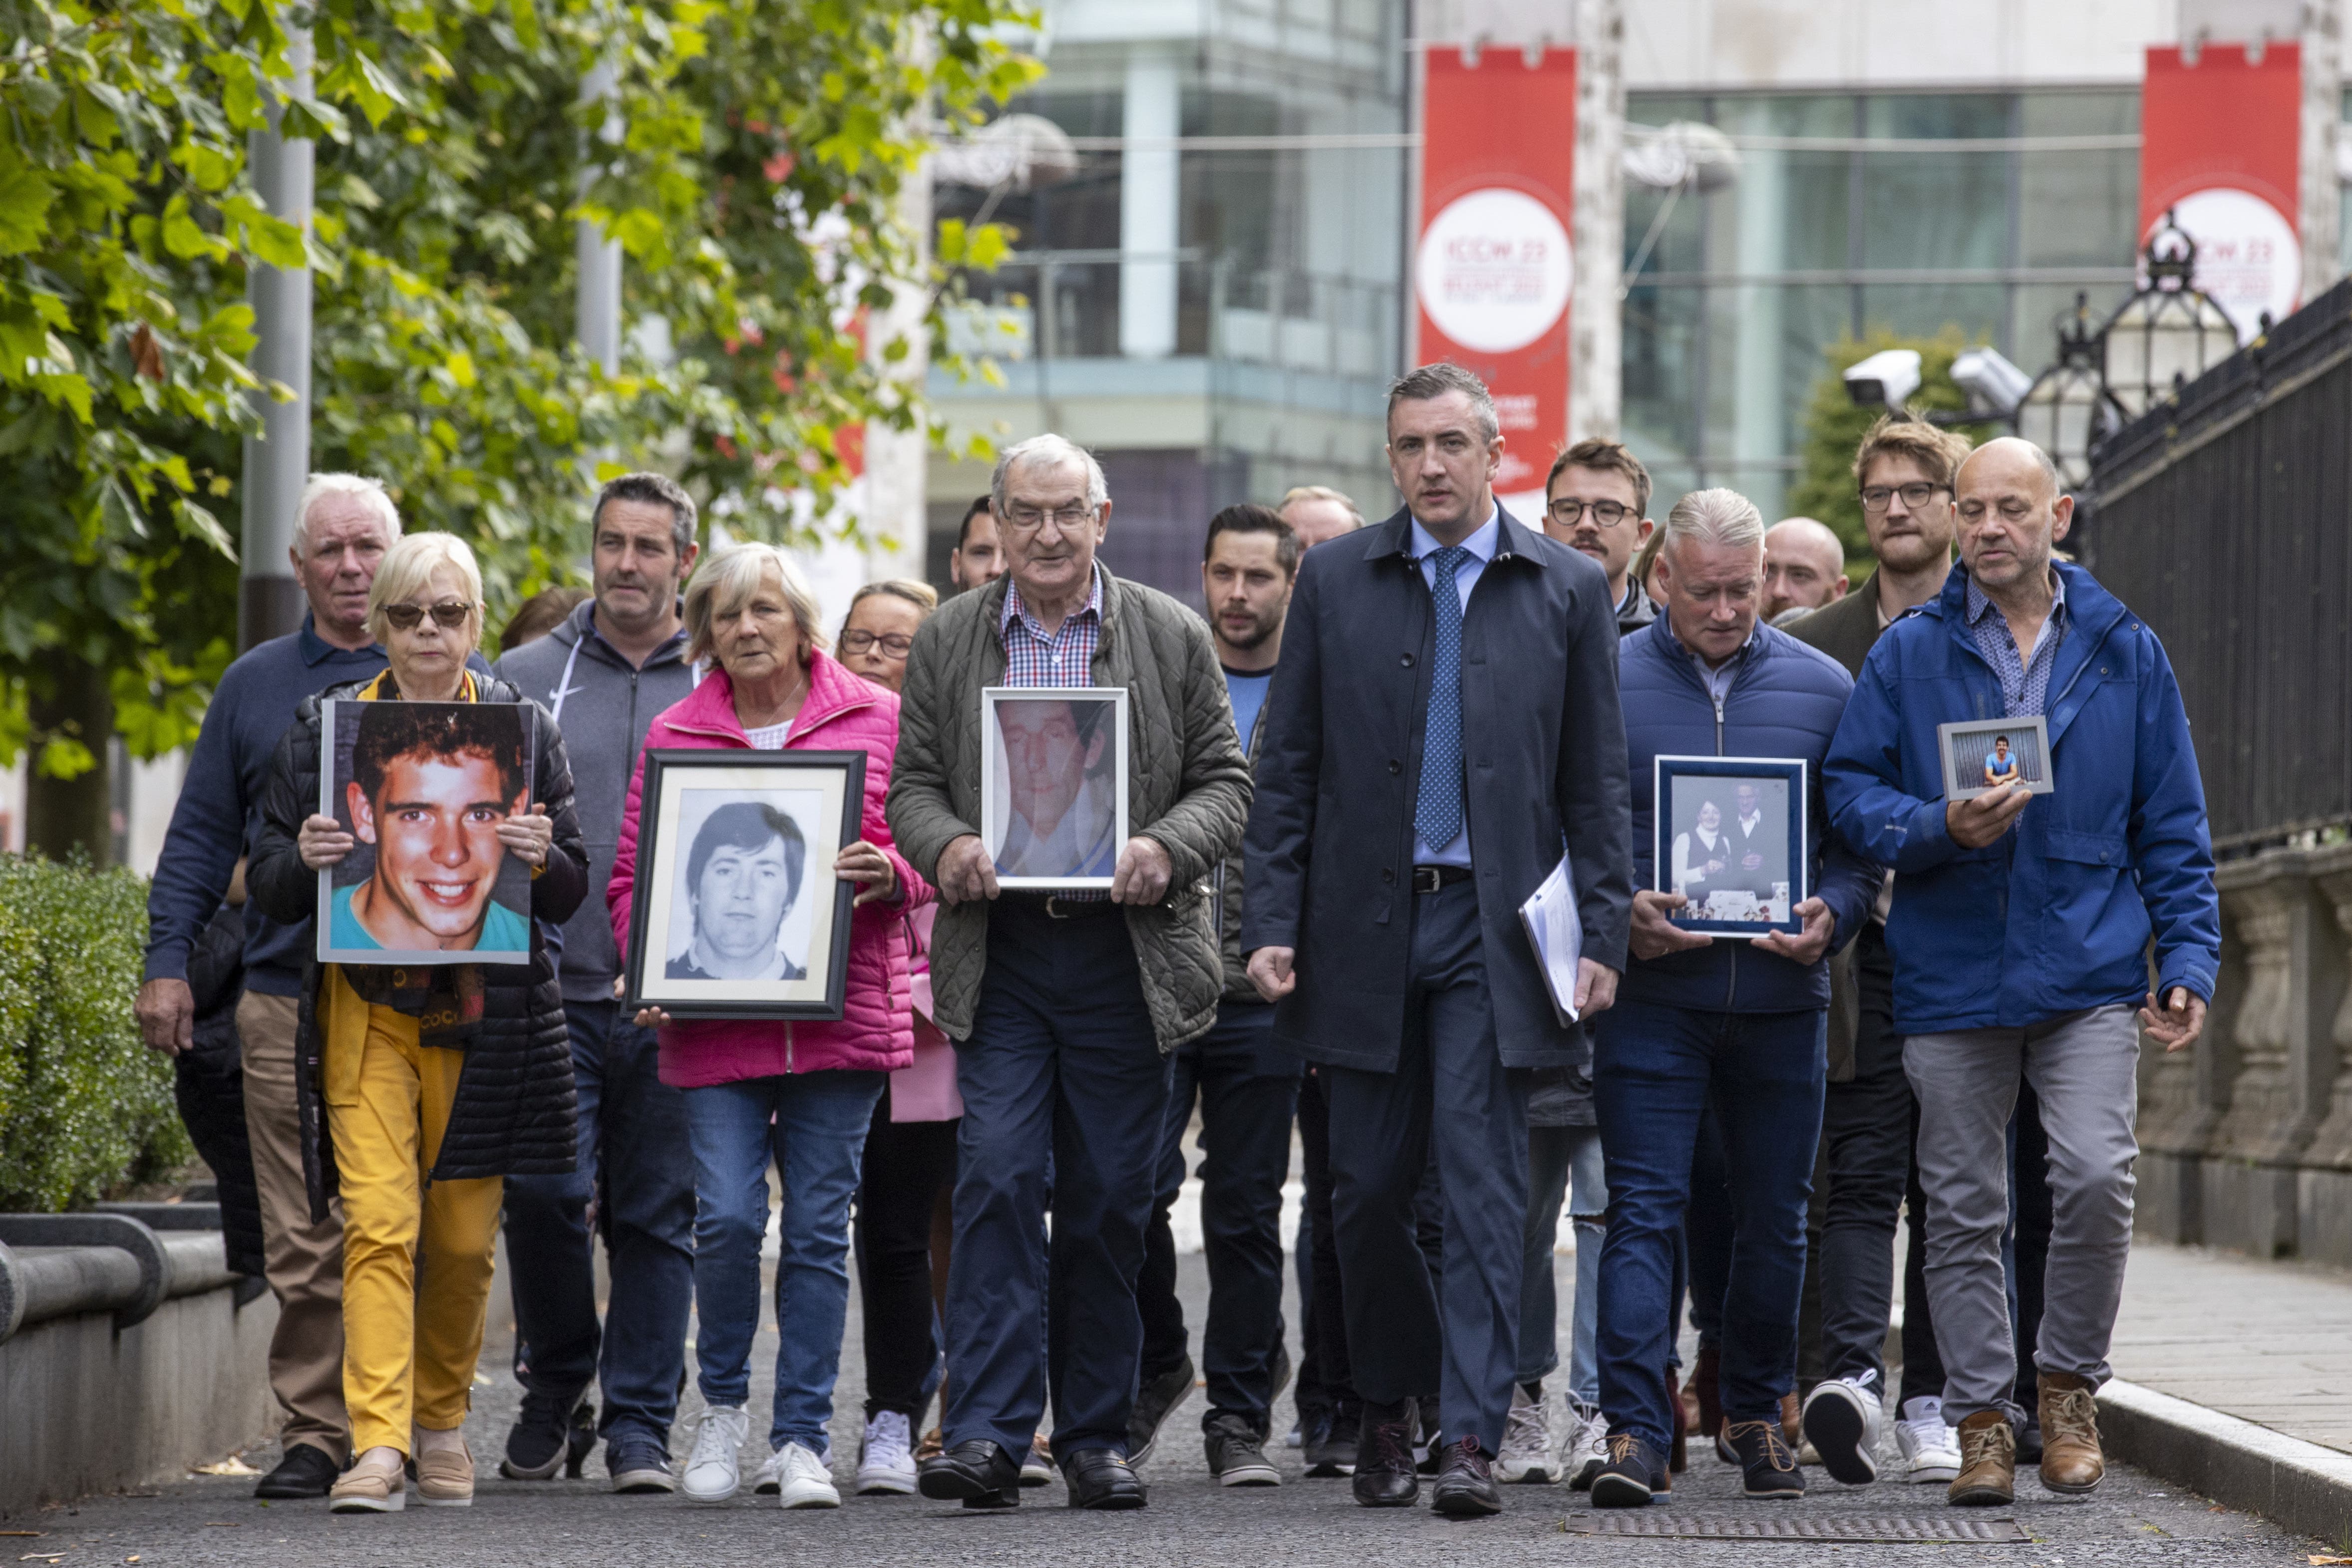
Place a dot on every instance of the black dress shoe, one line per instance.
(1101, 1478)
(978, 1471)
(1465, 1483)
(307, 1470)
(1384, 1468)
(1634, 1475)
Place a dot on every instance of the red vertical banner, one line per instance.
(1494, 266)
(2220, 146)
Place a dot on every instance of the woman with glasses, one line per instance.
(880, 627)
(422, 1086)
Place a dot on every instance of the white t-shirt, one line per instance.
(769, 737)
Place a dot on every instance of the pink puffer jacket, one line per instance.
(842, 713)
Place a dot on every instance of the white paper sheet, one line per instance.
(1556, 934)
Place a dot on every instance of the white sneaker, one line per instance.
(1587, 1445)
(804, 1480)
(769, 1479)
(886, 1459)
(1527, 1441)
(1931, 1450)
(714, 1470)
(1842, 1421)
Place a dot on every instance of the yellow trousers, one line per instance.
(408, 1355)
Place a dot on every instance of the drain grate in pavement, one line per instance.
(1686, 1527)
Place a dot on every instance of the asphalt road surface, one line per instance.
(1191, 1521)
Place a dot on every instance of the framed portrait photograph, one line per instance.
(737, 913)
(1985, 754)
(1052, 794)
(1731, 840)
(422, 788)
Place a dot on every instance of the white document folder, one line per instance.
(1556, 934)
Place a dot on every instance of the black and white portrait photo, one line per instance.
(740, 914)
(1054, 784)
(1731, 844)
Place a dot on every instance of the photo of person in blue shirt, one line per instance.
(2000, 766)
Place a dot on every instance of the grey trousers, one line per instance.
(2084, 1067)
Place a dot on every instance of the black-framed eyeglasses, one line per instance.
(1605, 514)
(449, 614)
(892, 643)
(1915, 495)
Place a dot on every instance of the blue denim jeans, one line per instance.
(813, 1125)
(631, 1130)
(1655, 1069)
(1564, 1164)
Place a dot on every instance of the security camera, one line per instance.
(1995, 387)
(1885, 379)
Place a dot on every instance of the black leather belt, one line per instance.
(1430, 878)
(1057, 906)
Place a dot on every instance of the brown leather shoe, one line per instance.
(1793, 1421)
(1705, 1387)
(2072, 1461)
(445, 1476)
(1678, 1451)
(1988, 1476)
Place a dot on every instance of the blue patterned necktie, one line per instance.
(1438, 814)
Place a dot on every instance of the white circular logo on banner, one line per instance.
(1493, 271)
(2248, 257)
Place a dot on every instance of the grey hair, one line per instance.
(651, 490)
(370, 492)
(1049, 448)
(724, 582)
(1426, 382)
(1715, 518)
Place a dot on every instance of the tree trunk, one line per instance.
(62, 815)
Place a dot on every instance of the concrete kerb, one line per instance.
(2301, 1485)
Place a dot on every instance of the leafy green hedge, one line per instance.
(84, 1105)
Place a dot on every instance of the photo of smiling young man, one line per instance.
(426, 788)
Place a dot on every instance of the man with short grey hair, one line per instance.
(343, 524)
(614, 663)
(1064, 1004)
(2021, 931)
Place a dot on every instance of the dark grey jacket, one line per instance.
(1331, 834)
(604, 709)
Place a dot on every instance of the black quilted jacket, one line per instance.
(516, 1102)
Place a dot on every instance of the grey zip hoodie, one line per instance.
(604, 707)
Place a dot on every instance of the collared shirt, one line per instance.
(1064, 658)
(1717, 678)
(1625, 605)
(1422, 547)
(2024, 681)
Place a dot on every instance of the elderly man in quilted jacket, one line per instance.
(1064, 1006)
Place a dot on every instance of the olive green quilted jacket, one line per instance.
(1188, 787)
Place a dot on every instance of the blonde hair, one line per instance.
(724, 582)
(921, 595)
(1317, 493)
(409, 564)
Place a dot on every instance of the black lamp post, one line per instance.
(2170, 332)
(2069, 407)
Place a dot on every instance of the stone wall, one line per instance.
(2246, 1138)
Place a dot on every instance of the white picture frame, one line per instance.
(1065, 768)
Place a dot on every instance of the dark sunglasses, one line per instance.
(449, 614)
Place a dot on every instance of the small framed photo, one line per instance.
(737, 914)
(1731, 840)
(1053, 797)
(422, 788)
(1984, 754)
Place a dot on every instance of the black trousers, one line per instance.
(1867, 1150)
(1325, 1379)
(1247, 1090)
(907, 1165)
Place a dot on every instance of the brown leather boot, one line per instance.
(1706, 1388)
(2072, 1461)
(1988, 1476)
(1792, 1422)
(1678, 1451)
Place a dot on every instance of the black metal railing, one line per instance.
(2223, 517)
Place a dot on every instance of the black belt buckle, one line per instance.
(1434, 878)
(1057, 909)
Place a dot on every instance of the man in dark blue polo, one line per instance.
(1445, 721)
(343, 525)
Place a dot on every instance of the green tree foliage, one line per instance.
(756, 158)
(1834, 427)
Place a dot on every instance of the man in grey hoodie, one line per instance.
(613, 664)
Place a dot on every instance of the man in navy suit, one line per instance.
(1445, 724)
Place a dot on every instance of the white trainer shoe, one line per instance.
(1587, 1445)
(1931, 1450)
(714, 1470)
(885, 1459)
(1526, 1453)
(770, 1478)
(803, 1479)
(1843, 1420)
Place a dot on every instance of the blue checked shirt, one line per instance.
(1064, 658)
(2024, 681)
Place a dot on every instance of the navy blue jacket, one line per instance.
(219, 809)
(1783, 701)
(2054, 916)
(1329, 849)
